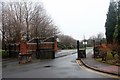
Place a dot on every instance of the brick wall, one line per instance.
(44, 45)
(26, 47)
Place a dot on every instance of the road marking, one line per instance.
(90, 70)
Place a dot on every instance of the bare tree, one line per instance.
(67, 41)
(0, 40)
(12, 21)
(26, 18)
(42, 24)
(100, 36)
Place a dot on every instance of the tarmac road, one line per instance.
(62, 67)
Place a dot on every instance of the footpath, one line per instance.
(90, 62)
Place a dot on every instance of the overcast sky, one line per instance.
(78, 17)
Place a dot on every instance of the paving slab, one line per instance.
(90, 62)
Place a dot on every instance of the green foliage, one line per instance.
(66, 42)
(0, 53)
(117, 28)
(63, 46)
(111, 22)
(109, 56)
(118, 36)
(0, 43)
(112, 25)
(115, 35)
(3, 53)
(109, 59)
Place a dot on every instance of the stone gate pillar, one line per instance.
(55, 45)
(23, 47)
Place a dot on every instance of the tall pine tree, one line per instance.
(111, 21)
(117, 28)
(118, 36)
(117, 31)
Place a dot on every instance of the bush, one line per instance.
(109, 56)
(0, 53)
(3, 54)
(109, 59)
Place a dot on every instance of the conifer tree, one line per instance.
(111, 22)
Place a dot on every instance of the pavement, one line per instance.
(90, 62)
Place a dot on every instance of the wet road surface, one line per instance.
(62, 67)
